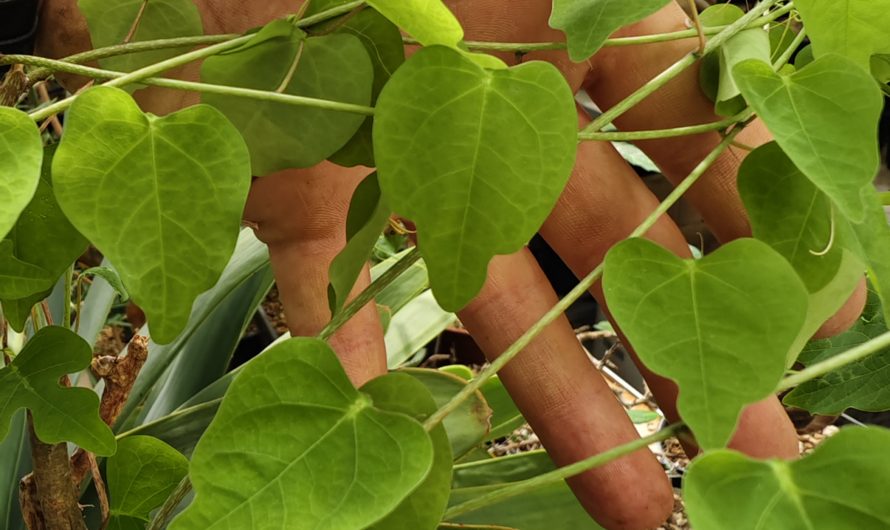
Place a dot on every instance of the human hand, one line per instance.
(601, 205)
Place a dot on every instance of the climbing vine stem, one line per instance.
(191, 86)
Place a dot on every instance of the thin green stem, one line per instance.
(146, 72)
(527, 47)
(69, 285)
(132, 47)
(369, 293)
(625, 136)
(789, 52)
(821, 368)
(192, 86)
(169, 506)
(328, 14)
(557, 475)
(583, 286)
(677, 68)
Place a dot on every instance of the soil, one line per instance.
(274, 310)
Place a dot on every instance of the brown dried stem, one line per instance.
(119, 373)
(54, 506)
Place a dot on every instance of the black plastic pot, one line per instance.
(18, 26)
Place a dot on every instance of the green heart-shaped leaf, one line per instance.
(475, 157)
(588, 23)
(428, 21)
(856, 29)
(824, 116)
(424, 507)
(790, 214)
(43, 239)
(21, 152)
(720, 326)
(60, 414)
(294, 445)
(160, 197)
(841, 486)
(110, 23)
(368, 214)
(140, 476)
(864, 385)
(281, 58)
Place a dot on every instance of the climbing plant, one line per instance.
(475, 154)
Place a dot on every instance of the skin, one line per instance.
(301, 215)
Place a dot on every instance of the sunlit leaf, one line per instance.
(368, 214)
(588, 23)
(21, 153)
(281, 58)
(790, 214)
(475, 157)
(466, 426)
(720, 326)
(344, 464)
(428, 21)
(60, 414)
(854, 28)
(423, 508)
(824, 117)
(140, 476)
(160, 197)
(111, 21)
(841, 486)
(864, 385)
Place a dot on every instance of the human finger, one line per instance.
(301, 216)
(564, 398)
